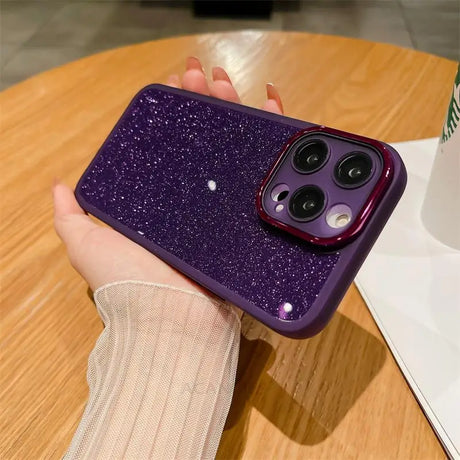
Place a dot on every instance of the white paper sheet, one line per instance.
(411, 284)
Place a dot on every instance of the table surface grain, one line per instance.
(337, 395)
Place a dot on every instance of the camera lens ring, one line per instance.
(310, 156)
(307, 203)
(353, 170)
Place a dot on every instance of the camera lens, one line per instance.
(354, 170)
(307, 203)
(310, 157)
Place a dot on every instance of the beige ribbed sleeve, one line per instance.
(161, 375)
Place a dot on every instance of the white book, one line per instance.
(411, 284)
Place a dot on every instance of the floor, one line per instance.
(37, 35)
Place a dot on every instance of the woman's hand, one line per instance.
(100, 254)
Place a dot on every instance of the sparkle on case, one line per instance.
(149, 175)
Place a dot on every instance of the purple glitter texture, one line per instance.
(184, 174)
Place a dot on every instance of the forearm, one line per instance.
(161, 375)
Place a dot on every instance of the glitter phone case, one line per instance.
(179, 175)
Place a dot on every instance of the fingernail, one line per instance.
(173, 80)
(53, 185)
(193, 62)
(272, 94)
(219, 73)
(271, 91)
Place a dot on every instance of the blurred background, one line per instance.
(40, 34)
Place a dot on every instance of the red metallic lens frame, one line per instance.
(366, 211)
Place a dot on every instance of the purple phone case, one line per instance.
(153, 180)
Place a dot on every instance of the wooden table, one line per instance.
(338, 395)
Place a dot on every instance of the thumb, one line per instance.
(70, 221)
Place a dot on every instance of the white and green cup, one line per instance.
(441, 207)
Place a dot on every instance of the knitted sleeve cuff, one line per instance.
(161, 375)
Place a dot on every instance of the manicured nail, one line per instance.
(272, 93)
(173, 80)
(193, 62)
(219, 73)
(55, 183)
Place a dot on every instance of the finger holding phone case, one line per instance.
(273, 214)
